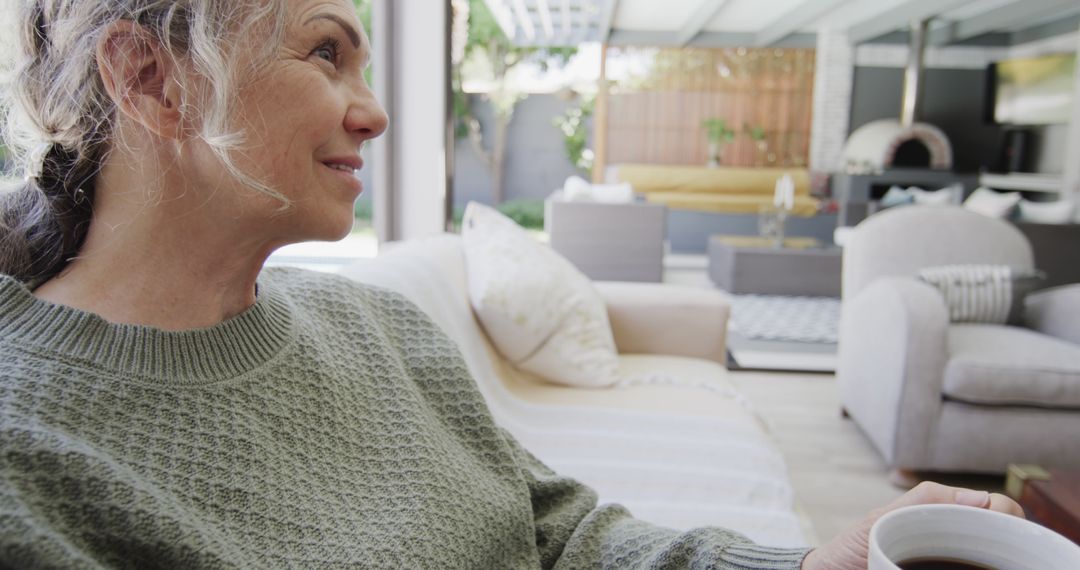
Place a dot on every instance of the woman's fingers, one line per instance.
(930, 493)
(1003, 504)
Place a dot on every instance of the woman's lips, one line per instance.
(347, 173)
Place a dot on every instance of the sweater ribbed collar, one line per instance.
(222, 351)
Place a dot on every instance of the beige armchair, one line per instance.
(936, 396)
(608, 241)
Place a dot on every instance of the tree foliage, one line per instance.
(486, 40)
(574, 126)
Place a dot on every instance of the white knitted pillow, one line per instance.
(983, 293)
(973, 293)
(539, 311)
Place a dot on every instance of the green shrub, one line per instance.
(363, 210)
(528, 214)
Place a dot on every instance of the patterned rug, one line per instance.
(791, 319)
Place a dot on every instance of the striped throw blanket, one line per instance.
(974, 293)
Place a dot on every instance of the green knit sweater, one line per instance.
(329, 425)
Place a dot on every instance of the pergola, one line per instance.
(760, 23)
(776, 23)
(413, 36)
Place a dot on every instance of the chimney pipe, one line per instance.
(913, 73)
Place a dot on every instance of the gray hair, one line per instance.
(59, 118)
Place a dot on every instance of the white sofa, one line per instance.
(685, 451)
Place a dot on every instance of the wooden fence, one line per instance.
(655, 115)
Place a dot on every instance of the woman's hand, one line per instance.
(849, 550)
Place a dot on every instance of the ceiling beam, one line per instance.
(545, 19)
(1007, 16)
(524, 19)
(795, 20)
(564, 12)
(503, 16)
(607, 19)
(702, 40)
(705, 12)
(899, 18)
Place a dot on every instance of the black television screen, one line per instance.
(1035, 91)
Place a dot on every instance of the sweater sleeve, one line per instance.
(573, 532)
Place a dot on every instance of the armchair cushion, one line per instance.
(1003, 366)
(1055, 312)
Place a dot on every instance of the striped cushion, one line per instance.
(974, 293)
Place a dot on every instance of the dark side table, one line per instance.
(753, 265)
(1049, 497)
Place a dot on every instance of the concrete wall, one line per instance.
(535, 163)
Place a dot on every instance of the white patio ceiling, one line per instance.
(760, 22)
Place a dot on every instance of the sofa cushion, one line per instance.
(951, 195)
(679, 385)
(674, 453)
(992, 203)
(896, 196)
(1000, 365)
(660, 178)
(804, 206)
(1059, 212)
(538, 310)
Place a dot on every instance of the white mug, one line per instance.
(970, 534)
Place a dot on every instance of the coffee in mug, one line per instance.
(955, 537)
(940, 564)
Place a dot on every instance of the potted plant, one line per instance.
(719, 134)
(757, 134)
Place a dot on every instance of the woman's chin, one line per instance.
(338, 231)
(325, 229)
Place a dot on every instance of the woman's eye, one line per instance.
(327, 51)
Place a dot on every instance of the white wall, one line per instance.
(1064, 140)
(1071, 178)
(409, 37)
(832, 100)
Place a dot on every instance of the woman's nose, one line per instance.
(366, 116)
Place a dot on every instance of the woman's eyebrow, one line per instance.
(350, 31)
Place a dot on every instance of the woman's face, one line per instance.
(306, 116)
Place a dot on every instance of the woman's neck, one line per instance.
(171, 259)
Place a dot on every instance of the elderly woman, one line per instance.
(165, 402)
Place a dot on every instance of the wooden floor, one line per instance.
(837, 475)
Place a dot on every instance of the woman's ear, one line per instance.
(141, 78)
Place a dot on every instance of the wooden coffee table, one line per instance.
(1049, 497)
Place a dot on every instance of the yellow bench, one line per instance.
(729, 190)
